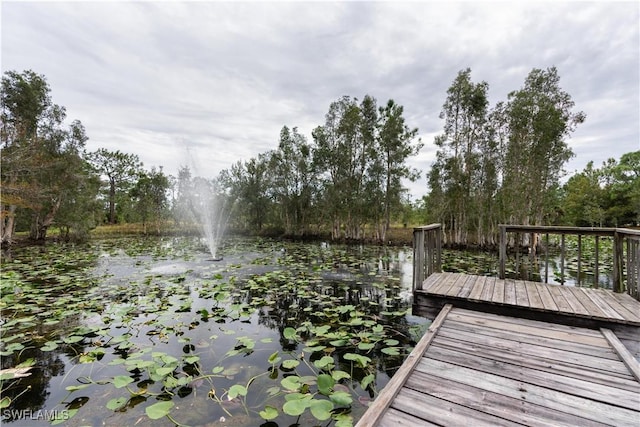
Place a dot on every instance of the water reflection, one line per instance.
(129, 296)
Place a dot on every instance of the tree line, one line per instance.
(504, 164)
(500, 164)
(347, 180)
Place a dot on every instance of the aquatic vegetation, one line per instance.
(147, 329)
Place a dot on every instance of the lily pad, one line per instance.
(290, 364)
(159, 410)
(321, 409)
(325, 384)
(122, 381)
(269, 413)
(116, 403)
(296, 407)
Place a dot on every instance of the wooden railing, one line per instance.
(625, 247)
(427, 253)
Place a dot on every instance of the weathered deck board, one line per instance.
(476, 291)
(444, 412)
(586, 302)
(595, 304)
(487, 290)
(524, 349)
(629, 304)
(521, 293)
(602, 350)
(517, 410)
(475, 368)
(395, 418)
(534, 296)
(498, 292)
(623, 380)
(533, 393)
(468, 287)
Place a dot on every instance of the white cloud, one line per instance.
(223, 77)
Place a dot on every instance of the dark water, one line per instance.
(113, 328)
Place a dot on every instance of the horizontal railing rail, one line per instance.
(625, 247)
(427, 252)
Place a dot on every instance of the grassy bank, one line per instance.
(396, 236)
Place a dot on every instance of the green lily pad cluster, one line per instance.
(134, 336)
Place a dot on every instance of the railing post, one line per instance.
(596, 272)
(546, 260)
(503, 250)
(428, 250)
(618, 261)
(438, 266)
(579, 257)
(418, 258)
(562, 249)
(633, 286)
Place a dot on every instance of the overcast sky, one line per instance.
(153, 78)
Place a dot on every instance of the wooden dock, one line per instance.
(560, 304)
(567, 305)
(478, 368)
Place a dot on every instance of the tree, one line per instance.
(120, 169)
(583, 198)
(539, 119)
(293, 180)
(249, 185)
(82, 210)
(395, 146)
(462, 175)
(149, 195)
(361, 151)
(339, 151)
(184, 189)
(42, 161)
(25, 99)
(621, 186)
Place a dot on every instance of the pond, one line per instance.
(132, 331)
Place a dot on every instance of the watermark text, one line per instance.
(39, 415)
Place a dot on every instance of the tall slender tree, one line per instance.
(120, 170)
(396, 142)
(540, 119)
(149, 195)
(338, 151)
(463, 158)
(250, 185)
(293, 180)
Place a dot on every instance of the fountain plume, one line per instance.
(211, 209)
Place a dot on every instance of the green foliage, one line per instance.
(294, 181)
(583, 198)
(120, 381)
(149, 197)
(607, 196)
(269, 413)
(537, 121)
(249, 185)
(350, 176)
(621, 187)
(504, 164)
(120, 170)
(45, 177)
(464, 177)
